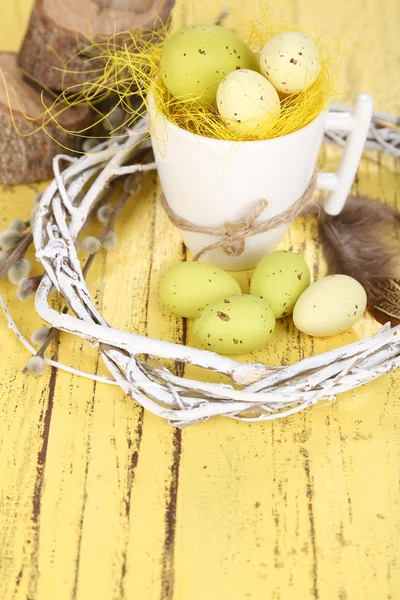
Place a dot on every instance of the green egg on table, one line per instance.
(196, 59)
(188, 287)
(330, 306)
(280, 279)
(235, 325)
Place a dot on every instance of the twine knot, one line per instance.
(232, 234)
(233, 237)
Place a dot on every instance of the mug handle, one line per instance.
(357, 124)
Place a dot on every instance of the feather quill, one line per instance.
(363, 242)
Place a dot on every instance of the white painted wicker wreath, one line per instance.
(258, 392)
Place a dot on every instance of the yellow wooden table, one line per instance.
(100, 501)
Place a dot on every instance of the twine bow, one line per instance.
(232, 234)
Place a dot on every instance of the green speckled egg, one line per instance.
(235, 325)
(330, 306)
(280, 278)
(196, 58)
(189, 286)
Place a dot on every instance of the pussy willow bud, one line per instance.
(9, 238)
(18, 225)
(3, 255)
(27, 287)
(104, 213)
(36, 365)
(90, 245)
(110, 241)
(40, 335)
(19, 270)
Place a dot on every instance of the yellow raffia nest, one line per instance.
(297, 110)
(126, 66)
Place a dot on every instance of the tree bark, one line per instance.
(27, 159)
(58, 30)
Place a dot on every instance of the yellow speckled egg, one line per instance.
(290, 61)
(330, 305)
(246, 100)
(196, 58)
(235, 325)
(280, 278)
(189, 286)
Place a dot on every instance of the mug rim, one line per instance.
(153, 109)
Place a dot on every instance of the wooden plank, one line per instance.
(101, 501)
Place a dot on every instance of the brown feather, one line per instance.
(387, 302)
(362, 241)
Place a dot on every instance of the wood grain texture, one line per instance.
(26, 158)
(58, 31)
(101, 501)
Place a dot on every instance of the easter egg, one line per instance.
(290, 61)
(196, 58)
(280, 279)
(246, 100)
(234, 325)
(188, 287)
(330, 305)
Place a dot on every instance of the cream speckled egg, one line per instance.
(246, 100)
(290, 61)
(189, 286)
(329, 306)
(196, 58)
(235, 325)
(280, 279)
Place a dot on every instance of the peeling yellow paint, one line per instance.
(100, 501)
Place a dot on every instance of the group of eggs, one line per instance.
(229, 322)
(212, 64)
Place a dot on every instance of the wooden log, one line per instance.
(27, 159)
(138, 6)
(56, 34)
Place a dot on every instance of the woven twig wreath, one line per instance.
(257, 393)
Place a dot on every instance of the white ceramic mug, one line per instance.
(209, 181)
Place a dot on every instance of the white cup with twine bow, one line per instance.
(233, 201)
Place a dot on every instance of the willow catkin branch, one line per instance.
(130, 186)
(53, 331)
(17, 252)
(49, 361)
(109, 191)
(78, 195)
